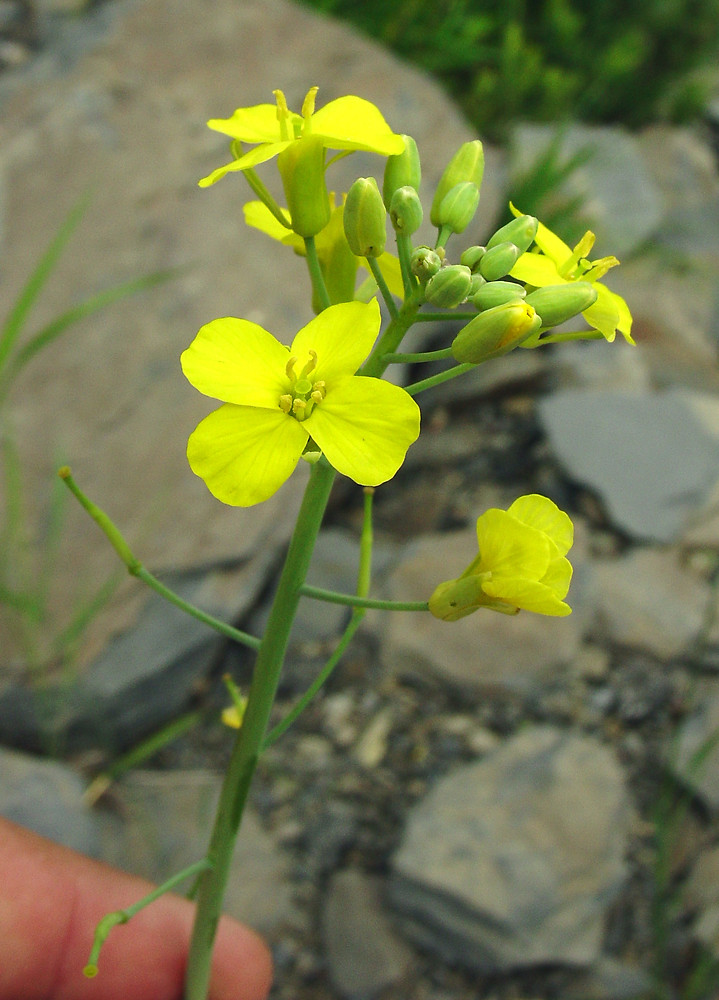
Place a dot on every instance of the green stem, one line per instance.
(122, 916)
(382, 285)
(562, 338)
(135, 567)
(390, 340)
(443, 317)
(404, 252)
(313, 266)
(433, 380)
(251, 736)
(394, 359)
(354, 601)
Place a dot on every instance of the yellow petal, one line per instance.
(255, 124)
(528, 595)
(392, 273)
(551, 245)
(511, 549)
(604, 314)
(364, 426)
(536, 269)
(542, 513)
(238, 362)
(260, 154)
(558, 577)
(342, 336)
(353, 123)
(258, 215)
(245, 454)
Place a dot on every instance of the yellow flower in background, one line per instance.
(557, 264)
(282, 402)
(348, 123)
(339, 265)
(521, 564)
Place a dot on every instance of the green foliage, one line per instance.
(628, 61)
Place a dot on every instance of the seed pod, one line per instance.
(302, 168)
(495, 332)
(449, 286)
(520, 231)
(496, 293)
(467, 164)
(405, 211)
(557, 303)
(424, 263)
(365, 218)
(402, 170)
(499, 261)
(458, 206)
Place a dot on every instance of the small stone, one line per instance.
(372, 744)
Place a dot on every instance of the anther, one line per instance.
(298, 408)
(286, 402)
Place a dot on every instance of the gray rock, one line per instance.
(697, 759)
(482, 649)
(46, 797)
(513, 861)
(364, 954)
(610, 979)
(166, 821)
(653, 459)
(648, 599)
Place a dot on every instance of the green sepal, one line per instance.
(499, 261)
(495, 332)
(449, 286)
(497, 293)
(458, 206)
(471, 257)
(467, 164)
(520, 231)
(557, 303)
(302, 168)
(365, 218)
(424, 263)
(402, 170)
(405, 211)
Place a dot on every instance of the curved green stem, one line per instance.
(433, 380)
(382, 285)
(135, 567)
(394, 359)
(313, 266)
(266, 198)
(251, 736)
(353, 601)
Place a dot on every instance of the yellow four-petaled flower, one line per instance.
(281, 402)
(521, 564)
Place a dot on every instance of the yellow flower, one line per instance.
(337, 262)
(281, 403)
(557, 264)
(521, 563)
(348, 123)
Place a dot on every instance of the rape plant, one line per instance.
(324, 400)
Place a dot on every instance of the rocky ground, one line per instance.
(519, 809)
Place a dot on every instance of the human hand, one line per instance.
(51, 898)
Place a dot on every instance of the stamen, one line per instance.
(286, 402)
(311, 364)
(317, 396)
(308, 109)
(298, 408)
(568, 268)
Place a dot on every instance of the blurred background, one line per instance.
(506, 808)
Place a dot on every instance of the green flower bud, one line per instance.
(302, 168)
(405, 211)
(499, 261)
(424, 263)
(475, 284)
(402, 170)
(520, 231)
(495, 332)
(557, 303)
(496, 293)
(449, 286)
(458, 206)
(365, 218)
(467, 164)
(472, 256)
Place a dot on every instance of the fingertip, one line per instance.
(241, 965)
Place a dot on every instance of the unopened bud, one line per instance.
(405, 211)
(520, 231)
(475, 284)
(424, 263)
(467, 164)
(457, 208)
(499, 261)
(365, 219)
(402, 170)
(471, 257)
(302, 168)
(557, 303)
(496, 293)
(449, 286)
(495, 332)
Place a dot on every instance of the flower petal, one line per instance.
(258, 215)
(245, 454)
(528, 595)
(342, 336)
(542, 513)
(255, 124)
(353, 123)
(536, 269)
(238, 362)
(265, 151)
(603, 315)
(558, 577)
(365, 426)
(551, 245)
(510, 549)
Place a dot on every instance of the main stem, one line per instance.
(250, 738)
